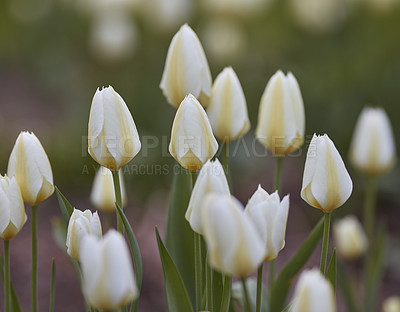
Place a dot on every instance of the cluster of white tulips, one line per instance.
(209, 231)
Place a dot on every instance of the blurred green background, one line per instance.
(345, 55)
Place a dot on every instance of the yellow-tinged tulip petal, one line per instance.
(113, 139)
(227, 110)
(108, 278)
(103, 194)
(192, 140)
(351, 241)
(313, 293)
(373, 150)
(326, 183)
(269, 215)
(12, 210)
(281, 120)
(31, 168)
(81, 224)
(234, 245)
(186, 69)
(211, 179)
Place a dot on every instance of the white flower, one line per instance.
(391, 304)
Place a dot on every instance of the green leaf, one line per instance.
(137, 257)
(331, 272)
(59, 229)
(179, 236)
(65, 207)
(346, 286)
(177, 296)
(217, 289)
(52, 286)
(14, 299)
(289, 271)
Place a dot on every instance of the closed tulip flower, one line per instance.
(234, 245)
(186, 69)
(211, 179)
(31, 168)
(12, 211)
(113, 139)
(313, 293)
(281, 121)
(192, 140)
(326, 183)
(391, 304)
(227, 110)
(351, 241)
(81, 224)
(103, 195)
(108, 279)
(373, 150)
(269, 215)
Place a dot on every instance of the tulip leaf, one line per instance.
(331, 271)
(65, 206)
(226, 294)
(137, 257)
(217, 289)
(14, 299)
(289, 271)
(179, 236)
(52, 286)
(346, 286)
(177, 296)
(59, 229)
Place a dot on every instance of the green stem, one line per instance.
(198, 270)
(225, 157)
(34, 259)
(325, 243)
(7, 295)
(209, 291)
(118, 199)
(247, 303)
(369, 208)
(259, 287)
(278, 174)
(271, 274)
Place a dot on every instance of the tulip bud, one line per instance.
(326, 183)
(103, 195)
(186, 69)
(192, 140)
(31, 168)
(351, 241)
(313, 293)
(80, 225)
(211, 179)
(108, 279)
(113, 138)
(234, 245)
(391, 304)
(269, 215)
(281, 121)
(227, 110)
(373, 150)
(12, 210)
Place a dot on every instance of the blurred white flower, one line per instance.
(94, 8)
(391, 304)
(242, 8)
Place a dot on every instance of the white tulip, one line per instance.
(192, 140)
(113, 139)
(108, 278)
(269, 215)
(373, 150)
(103, 194)
(350, 238)
(12, 210)
(31, 168)
(186, 69)
(227, 110)
(234, 245)
(326, 183)
(211, 179)
(313, 293)
(391, 304)
(81, 224)
(281, 119)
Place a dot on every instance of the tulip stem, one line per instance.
(278, 174)
(34, 259)
(198, 270)
(209, 281)
(325, 243)
(118, 199)
(7, 275)
(259, 287)
(271, 274)
(246, 303)
(369, 208)
(225, 157)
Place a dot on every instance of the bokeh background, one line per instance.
(345, 55)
